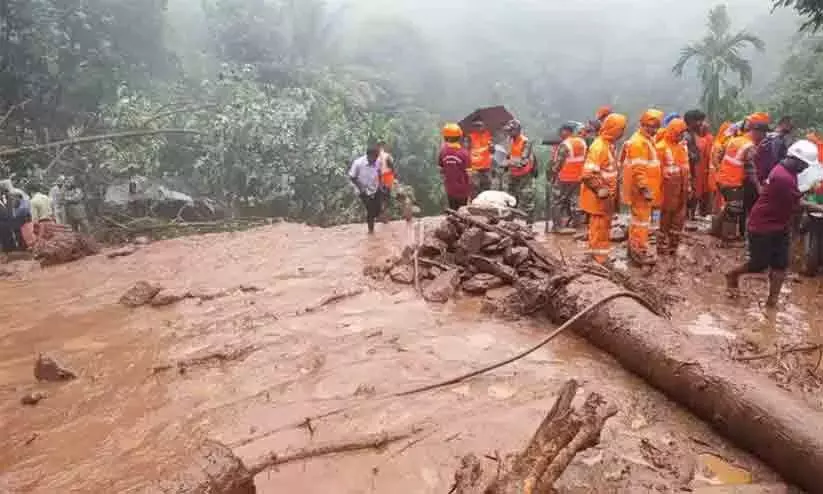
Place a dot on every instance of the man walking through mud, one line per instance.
(365, 175)
(770, 221)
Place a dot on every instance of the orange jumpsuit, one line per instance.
(598, 193)
(642, 173)
(674, 162)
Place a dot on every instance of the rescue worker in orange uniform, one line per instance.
(520, 169)
(481, 150)
(563, 189)
(598, 192)
(674, 164)
(737, 173)
(642, 184)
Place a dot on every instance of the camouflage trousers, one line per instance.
(563, 199)
(522, 189)
(481, 181)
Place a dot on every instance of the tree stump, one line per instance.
(565, 432)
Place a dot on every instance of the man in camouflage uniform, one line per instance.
(563, 180)
(520, 170)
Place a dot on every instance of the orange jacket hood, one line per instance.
(613, 126)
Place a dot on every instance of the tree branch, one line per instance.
(89, 139)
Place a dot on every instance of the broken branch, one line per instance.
(374, 441)
(89, 139)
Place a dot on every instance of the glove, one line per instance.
(647, 194)
(603, 193)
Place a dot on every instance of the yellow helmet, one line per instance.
(452, 130)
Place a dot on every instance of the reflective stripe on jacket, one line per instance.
(572, 168)
(641, 170)
(480, 152)
(732, 171)
(599, 171)
(521, 150)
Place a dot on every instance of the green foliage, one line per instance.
(717, 56)
(799, 90)
(812, 10)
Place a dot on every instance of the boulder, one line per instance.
(516, 256)
(432, 246)
(481, 283)
(619, 233)
(402, 273)
(472, 240)
(122, 251)
(447, 232)
(140, 294)
(33, 398)
(168, 297)
(47, 369)
(491, 266)
(442, 288)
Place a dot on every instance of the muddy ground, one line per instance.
(248, 366)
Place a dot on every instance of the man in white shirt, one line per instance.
(365, 175)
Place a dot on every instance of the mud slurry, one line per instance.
(122, 424)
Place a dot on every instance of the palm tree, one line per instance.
(717, 55)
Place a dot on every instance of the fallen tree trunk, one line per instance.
(747, 408)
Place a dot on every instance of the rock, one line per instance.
(122, 251)
(502, 293)
(58, 244)
(214, 469)
(472, 240)
(142, 240)
(402, 273)
(169, 297)
(447, 232)
(140, 294)
(442, 288)
(33, 398)
(491, 238)
(481, 283)
(497, 268)
(47, 369)
(516, 256)
(432, 246)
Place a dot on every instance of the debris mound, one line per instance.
(58, 244)
(481, 250)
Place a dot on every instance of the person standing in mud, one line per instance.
(365, 175)
(74, 201)
(770, 221)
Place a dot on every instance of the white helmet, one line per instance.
(805, 151)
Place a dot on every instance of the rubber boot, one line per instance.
(776, 280)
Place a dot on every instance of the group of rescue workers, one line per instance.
(671, 168)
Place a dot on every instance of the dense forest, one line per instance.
(266, 101)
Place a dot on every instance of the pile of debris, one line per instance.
(58, 244)
(484, 251)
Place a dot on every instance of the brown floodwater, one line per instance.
(127, 421)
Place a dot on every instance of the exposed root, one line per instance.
(781, 352)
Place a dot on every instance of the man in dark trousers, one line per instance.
(770, 221)
(365, 175)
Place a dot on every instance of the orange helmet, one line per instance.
(452, 130)
(675, 129)
(603, 112)
(758, 121)
(652, 117)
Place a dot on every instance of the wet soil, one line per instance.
(247, 368)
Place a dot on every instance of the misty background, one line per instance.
(277, 96)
